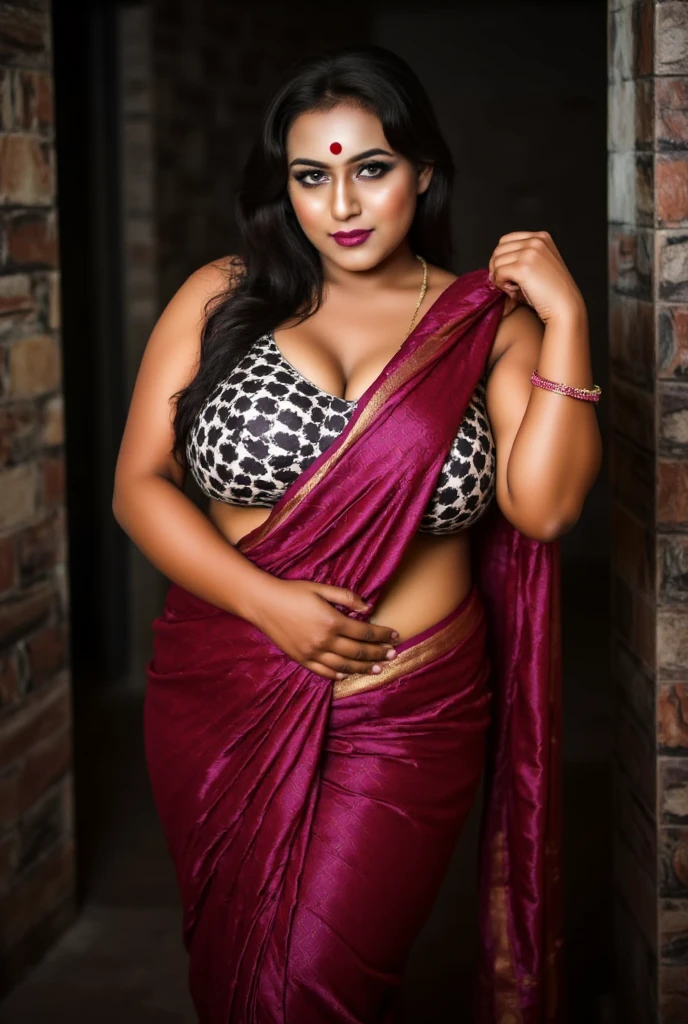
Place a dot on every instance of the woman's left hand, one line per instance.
(528, 267)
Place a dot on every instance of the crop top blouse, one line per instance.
(266, 423)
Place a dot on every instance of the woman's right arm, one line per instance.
(150, 505)
(148, 500)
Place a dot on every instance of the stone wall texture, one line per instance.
(37, 856)
(648, 278)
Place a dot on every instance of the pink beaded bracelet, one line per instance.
(587, 394)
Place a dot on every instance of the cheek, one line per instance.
(394, 200)
(307, 206)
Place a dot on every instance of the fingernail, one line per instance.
(391, 654)
(376, 668)
(395, 634)
(339, 675)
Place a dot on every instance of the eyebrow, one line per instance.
(359, 156)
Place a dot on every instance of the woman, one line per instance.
(339, 656)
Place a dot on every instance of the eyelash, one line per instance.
(383, 167)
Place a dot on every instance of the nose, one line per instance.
(344, 199)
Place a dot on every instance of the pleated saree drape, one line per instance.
(311, 822)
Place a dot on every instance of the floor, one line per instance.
(123, 960)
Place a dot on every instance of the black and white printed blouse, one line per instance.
(264, 424)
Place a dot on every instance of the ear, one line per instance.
(424, 177)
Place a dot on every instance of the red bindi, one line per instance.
(336, 147)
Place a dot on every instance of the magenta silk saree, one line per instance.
(311, 822)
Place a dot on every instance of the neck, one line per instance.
(400, 270)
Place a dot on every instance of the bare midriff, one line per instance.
(432, 578)
(434, 575)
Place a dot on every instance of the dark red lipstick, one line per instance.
(351, 237)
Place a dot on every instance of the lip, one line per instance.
(351, 237)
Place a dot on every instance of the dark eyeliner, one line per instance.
(380, 165)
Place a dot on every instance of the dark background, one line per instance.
(520, 92)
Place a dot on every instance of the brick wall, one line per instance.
(36, 835)
(670, 145)
(648, 248)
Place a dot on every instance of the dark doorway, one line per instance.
(88, 148)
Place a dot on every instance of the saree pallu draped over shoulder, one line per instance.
(311, 822)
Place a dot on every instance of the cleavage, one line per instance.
(315, 375)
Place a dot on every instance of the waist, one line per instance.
(432, 578)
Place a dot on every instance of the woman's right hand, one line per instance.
(300, 617)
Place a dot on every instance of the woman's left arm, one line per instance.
(549, 447)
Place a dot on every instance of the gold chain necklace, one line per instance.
(423, 289)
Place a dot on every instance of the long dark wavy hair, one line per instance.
(277, 273)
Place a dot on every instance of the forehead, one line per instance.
(355, 129)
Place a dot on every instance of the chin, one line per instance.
(362, 256)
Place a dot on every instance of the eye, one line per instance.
(302, 175)
(378, 166)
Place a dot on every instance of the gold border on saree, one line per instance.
(413, 657)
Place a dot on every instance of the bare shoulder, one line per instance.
(170, 361)
(521, 330)
(183, 317)
(226, 269)
(210, 281)
(175, 341)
